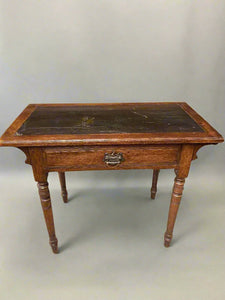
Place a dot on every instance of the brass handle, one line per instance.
(113, 159)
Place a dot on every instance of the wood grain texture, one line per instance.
(38, 162)
(67, 137)
(154, 183)
(139, 129)
(174, 206)
(92, 158)
(48, 215)
(181, 173)
(62, 180)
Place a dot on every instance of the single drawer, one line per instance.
(111, 157)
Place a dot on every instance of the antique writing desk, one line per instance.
(68, 137)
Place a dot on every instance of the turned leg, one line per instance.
(181, 171)
(174, 205)
(154, 183)
(47, 211)
(62, 180)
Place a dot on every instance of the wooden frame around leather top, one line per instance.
(208, 136)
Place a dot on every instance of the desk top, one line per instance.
(117, 123)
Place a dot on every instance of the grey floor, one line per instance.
(111, 239)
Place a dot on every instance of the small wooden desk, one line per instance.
(69, 137)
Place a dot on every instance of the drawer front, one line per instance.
(111, 157)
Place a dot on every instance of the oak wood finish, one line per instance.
(48, 215)
(181, 174)
(154, 183)
(62, 180)
(67, 137)
(92, 158)
(209, 135)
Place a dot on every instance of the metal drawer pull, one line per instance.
(113, 158)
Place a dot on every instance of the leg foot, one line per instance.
(54, 245)
(62, 180)
(167, 239)
(154, 183)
